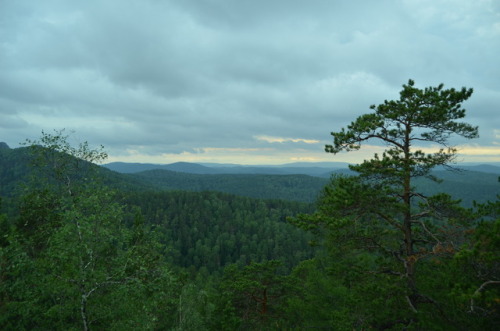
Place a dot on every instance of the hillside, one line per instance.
(15, 171)
(128, 168)
(318, 169)
(200, 229)
(467, 185)
(287, 187)
(212, 229)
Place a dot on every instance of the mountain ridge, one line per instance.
(279, 184)
(316, 169)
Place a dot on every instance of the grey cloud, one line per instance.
(174, 76)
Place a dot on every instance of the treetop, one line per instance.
(426, 115)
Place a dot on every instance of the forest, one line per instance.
(396, 243)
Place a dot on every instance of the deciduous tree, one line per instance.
(92, 269)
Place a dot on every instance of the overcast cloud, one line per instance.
(237, 81)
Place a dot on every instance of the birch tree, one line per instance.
(95, 270)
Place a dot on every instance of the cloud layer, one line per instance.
(235, 81)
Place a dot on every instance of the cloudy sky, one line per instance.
(237, 81)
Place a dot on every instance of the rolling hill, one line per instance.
(295, 182)
(320, 169)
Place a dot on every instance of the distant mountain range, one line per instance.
(313, 169)
(318, 169)
(298, 181)
(294, 181)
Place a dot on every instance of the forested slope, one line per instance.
(16, 170)
(95, 247)
(210, 230)
(467, 185)
(286, 187)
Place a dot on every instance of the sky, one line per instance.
(247, 82)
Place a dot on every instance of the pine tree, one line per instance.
(379, 211)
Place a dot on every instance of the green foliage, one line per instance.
(210, 230)
(71, 262)
(196, 311)
(255, 297)
(427, 115)
(287, 187)
(478, 288)
(14, 170)
(76, 257)
(381, 224)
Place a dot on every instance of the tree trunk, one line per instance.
(83, 312)
(407, 225)
(264, 302)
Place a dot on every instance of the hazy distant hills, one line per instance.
(317, 169)
(128, 168)
(320, 169)
(488, 168)
(295, 181)
(298, 181)
(466, 185)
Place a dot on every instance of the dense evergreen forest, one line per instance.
(463, 184)
(385, 247)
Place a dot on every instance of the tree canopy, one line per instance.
(381, 213)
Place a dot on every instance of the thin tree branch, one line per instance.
(428, 231)
(479, 290)
(411, 304)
